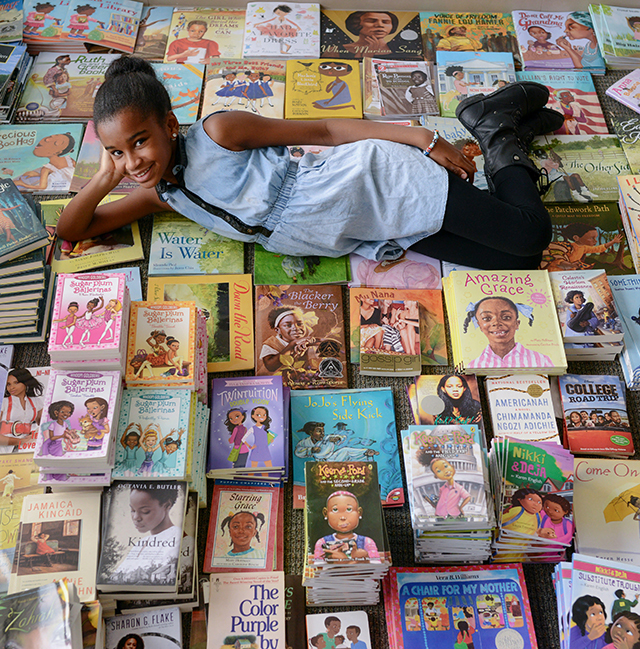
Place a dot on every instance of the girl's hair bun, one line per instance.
(128, 65)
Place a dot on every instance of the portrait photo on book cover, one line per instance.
(50, 546)
(448, 399)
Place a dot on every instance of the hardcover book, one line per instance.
(468, 32)
(57, 538)
(319, 89)
(595, 415)
(140, 553)
(42, 27)
(346, 426)
(628, 131)
(225, 301)
(274, 30)
(41, 157)
(243, 527)
(300, 335)
(153, 32)
(160, 628)
(232, 596)
(201, 34)
(358, 34)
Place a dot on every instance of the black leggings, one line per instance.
(507, 230)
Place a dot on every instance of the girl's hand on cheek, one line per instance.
(108, 169)
(450, 158)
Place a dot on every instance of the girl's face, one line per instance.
(51, 146)
(131, 643)
(376, 25)
(624, 633)
(531, 503)
(538, 33)
(343, 513)
(72, 309)
(334, 69)
(150, 441)
(146, 512)
(91, 305)
(94, 409)
(576, 31)
(291, 327)
(242, 529)
(442, 470)
(175, 345)
(64, 413)
(141, 147)
(132, 441)
(171, 448)
(196, 32)
(236, 417)
(259, 416)
(458, 75)
(497, 321)
(575, 418)
(589, 238)
(111, 304)
(254, 76)
(230, 77)
(578, 300)
(595, 615)
(454, 387)
(554, 511)
(15, 388)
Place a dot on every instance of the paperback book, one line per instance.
(275, 30)
(352, 625)
(255, 86)
(12, 12)
(627, 90)
(595, 415)
(137, 555)
(160, 628)
(300, 335)
(411, 270)
(617, 29)
(358, 34)
(628, 131)
(215, 33)
(225, 301)
(445, 399)
(153, 32)
(346, 426)
(626, 293)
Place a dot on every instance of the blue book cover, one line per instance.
(346, 426)
(11, 11)
(183, 82)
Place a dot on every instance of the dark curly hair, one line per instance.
(353, 24)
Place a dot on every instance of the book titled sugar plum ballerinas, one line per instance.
(88, 316)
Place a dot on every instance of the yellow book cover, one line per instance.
(321, 88)
(162, 344)
(227, 303)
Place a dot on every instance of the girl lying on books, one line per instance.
(383, 188)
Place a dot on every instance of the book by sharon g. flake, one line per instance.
(346, 426)
(160, 628)
(595, 415)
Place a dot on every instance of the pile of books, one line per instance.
(448, 492)
(14, 70)
(347, 549)
(626, 293)
(616, 29)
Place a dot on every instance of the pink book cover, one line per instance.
(627, 90)
(87, 314)
(78, 417)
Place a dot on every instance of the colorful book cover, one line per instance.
(357, 34)
(242, 527)
(44, 24)
(587, 236)
(255, 86)
(573, 95)
(627, 90)
(199, 35)
(184, 85)
(595, 415)
(346, 426)
(504, 320)
(522, 408)
(62, 87)
(153, 32)
(13, 15)
(585, 305)
(365, 304)
(464, 74)
(58, 538)
(555, 40)
(140, 553)
(132, 276)
(79, 419)
(272, 268)
(275, 30)
(445, 606)
(227, 306)
(41, 157)
(162, 343)
(153, 434)
(158, 629)
(343, 516)
(23, 231)
(88, 315)
(606, 501)
(626, 293)
(247, 412)
(411, 270)
(108, 23)
(180, 246)
(628, 131)
(22, 409)
(233, 597)
(446, 399)
(300, 335)
(620, 27)
(581, 168)
(467, 32)
(318, 89)
(352, 625)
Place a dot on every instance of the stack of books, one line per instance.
(532, 490)
(616, 29)
(595, 415)
(626, 293)
(629, 201)
(347, 547)
(14, 71)
(448, 491)
(90, 321)
(589, 320)
(249, 431)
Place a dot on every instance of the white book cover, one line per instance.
(345, 629)
(627, 90)
(160, 628)
(58, 537)
(249, 611)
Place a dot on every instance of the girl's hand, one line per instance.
(108, 169)
(563, 43)
(450, 158)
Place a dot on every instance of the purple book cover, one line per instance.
(247, 418)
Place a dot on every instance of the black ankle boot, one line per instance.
(495, 119)
(539, 123)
